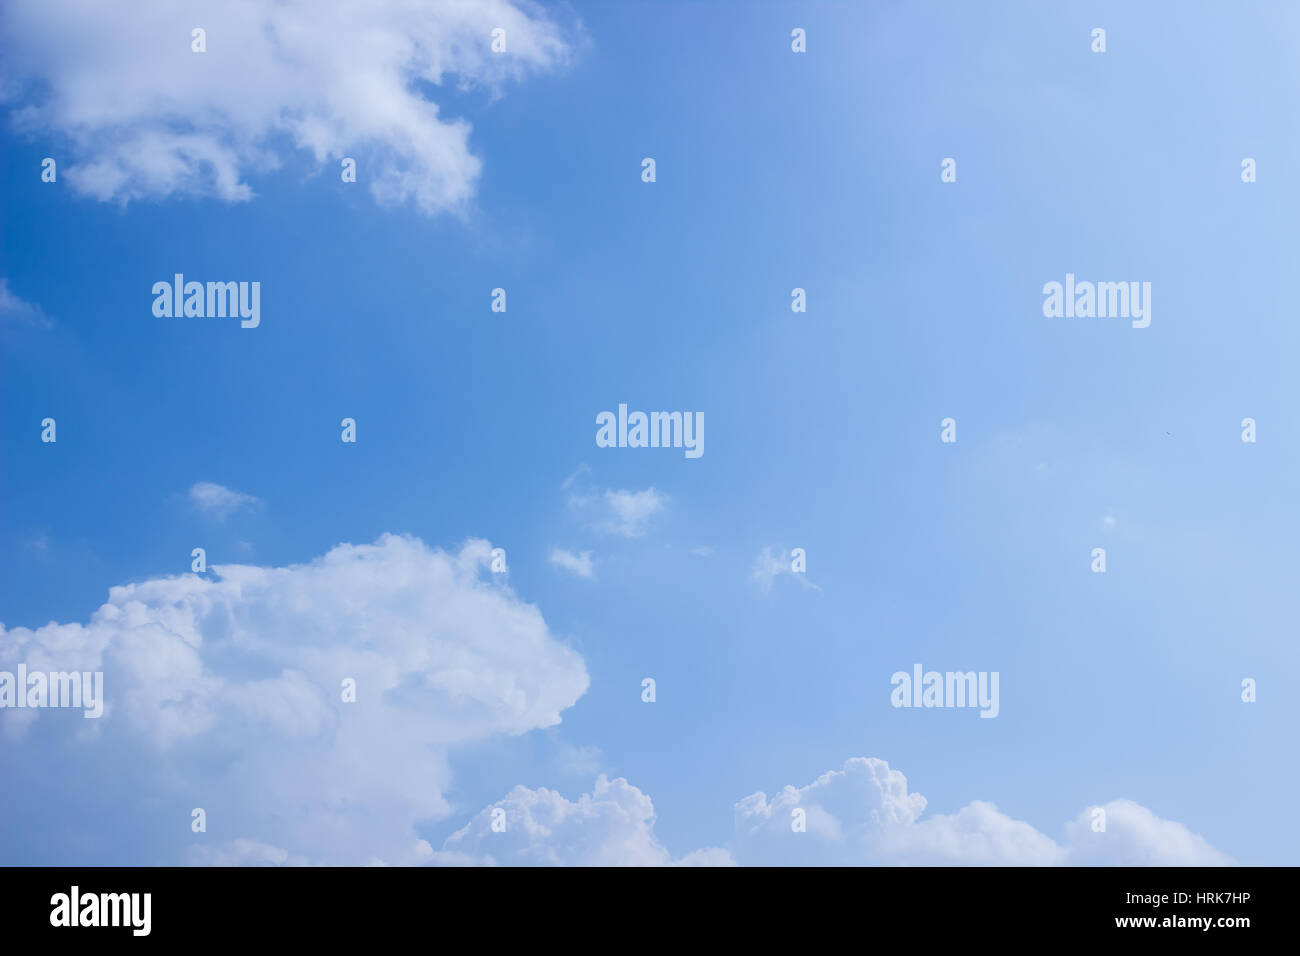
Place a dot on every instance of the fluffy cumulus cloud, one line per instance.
(232, 691)
(611, 826)
(1135, 836)
(142, 115)
(864, 814)
(228, 690)
(861, 815)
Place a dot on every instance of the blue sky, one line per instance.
(775, 170)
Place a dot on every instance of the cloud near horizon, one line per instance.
(611, 826)
(225, 689)
(862, 815)
(243, 667)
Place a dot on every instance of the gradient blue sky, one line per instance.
(775, 170)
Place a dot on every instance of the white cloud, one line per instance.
(770, 564)
(40, 543)
(242, 852)
(1135, 836)
(217, 500)
(146, 117)
(844, 812)
(612, 826)
(620, 512)
(581, 474)
(711, 856)
(978, 834)
(223, 692)
(864, 814)
(627, 513)
(14, 309)
(579, 564)
(227, 689)
(861, 815)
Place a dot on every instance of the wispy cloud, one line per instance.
(622, 512)
(218, 501)
(629, 512)
(770, 564)
(579, 564)
(14, 309)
